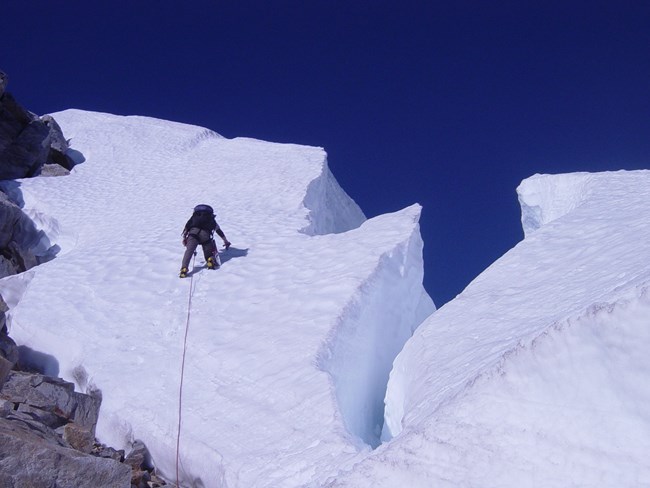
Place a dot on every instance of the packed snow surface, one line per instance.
(537, 374)
(289, 345)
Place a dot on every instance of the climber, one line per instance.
(199, 230)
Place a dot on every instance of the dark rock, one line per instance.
(22, 245)
(27, 141)
(140, 461)
(58, 144)
(9, 217)
(79, 438)
(28, 422)
(86, 410)
(52, 395)
(139, 478)
(3, 305)
(156, 482)
(24, 140)
(28, 388)
(30, 460)
(101, 450)
(54, 170)
(8, 348)
(5, 367)
(139, 457)
(44, 422)
(3, 83)
(3, 318)
(48, 418)
(6, 407)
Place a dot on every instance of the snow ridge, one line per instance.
(261, 411)
(517, 381)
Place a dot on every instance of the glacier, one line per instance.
(536, 374)
(314, 357)
(288, 346)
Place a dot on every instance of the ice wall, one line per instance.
(331, 210)
(373, 327)
(544, 198)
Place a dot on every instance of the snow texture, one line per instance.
(289, 344)
(537, 374)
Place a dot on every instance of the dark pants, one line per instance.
(209, 249)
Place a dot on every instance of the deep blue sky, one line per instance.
(449, 104)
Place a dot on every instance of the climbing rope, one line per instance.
(180, 390)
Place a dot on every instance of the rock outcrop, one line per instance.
(47, 438)
(43, 423)
(20, 240)
(32, 455)
(8, 349)
(27, 142)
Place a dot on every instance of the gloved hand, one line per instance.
(185, 241)
(226, 244)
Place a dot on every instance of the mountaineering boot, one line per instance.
(183, 273)
(212, 264)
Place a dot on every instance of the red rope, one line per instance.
(180, 390)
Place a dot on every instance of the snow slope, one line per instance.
(537, 374)
(289, 345)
